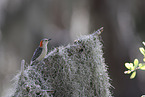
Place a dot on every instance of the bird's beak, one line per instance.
(49, 39)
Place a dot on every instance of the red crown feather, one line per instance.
(41, 43)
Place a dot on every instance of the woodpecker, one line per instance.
(41, 51)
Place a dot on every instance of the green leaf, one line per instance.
(131, 66)
(143, 96)
(143, 43)
(144, 59)
(133, 75)
(140, 64)
(127, 65)
(136, 63)
(142, 67)
(142, 50)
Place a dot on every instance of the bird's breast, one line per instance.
(43, 54)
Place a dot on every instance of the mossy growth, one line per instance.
(76, 70)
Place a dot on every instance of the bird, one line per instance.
(41, 51)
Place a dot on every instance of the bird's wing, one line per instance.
(36, 54)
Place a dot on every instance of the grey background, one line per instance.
(23, 23)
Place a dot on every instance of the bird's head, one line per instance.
(44, 42)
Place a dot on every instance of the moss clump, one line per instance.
(77, 70)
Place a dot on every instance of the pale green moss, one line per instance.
(77, 70)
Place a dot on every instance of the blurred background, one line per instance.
(23, 23)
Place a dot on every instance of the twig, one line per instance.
(22, 66)
(99, 31)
